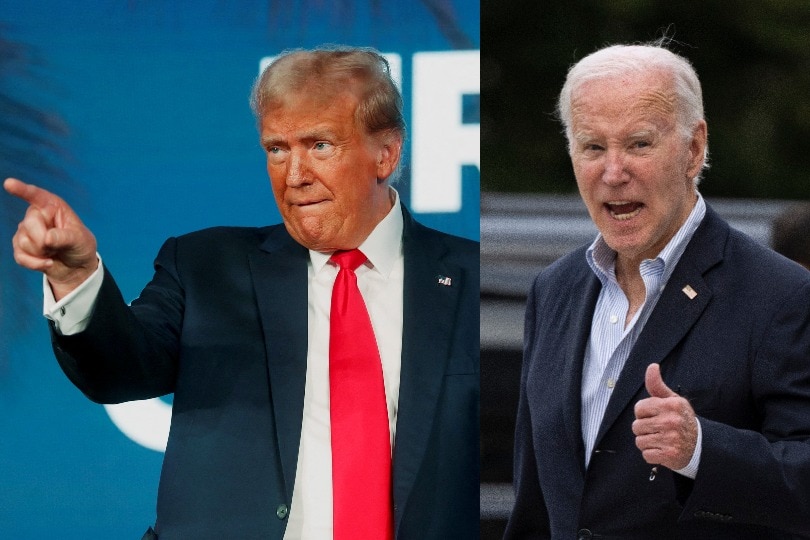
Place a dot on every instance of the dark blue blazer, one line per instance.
(739, 351)
(223, 325)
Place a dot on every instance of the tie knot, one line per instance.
(350, 259)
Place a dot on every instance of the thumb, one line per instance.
(655, 384)
(59, 239)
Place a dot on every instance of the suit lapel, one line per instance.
(429, 315)
(673, 316)
(581, 312)
(279, 273)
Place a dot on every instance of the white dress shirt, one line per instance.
(72, 314)
(380, 281)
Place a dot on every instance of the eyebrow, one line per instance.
(581, 137)
(643, 134)
(315, 134)
(585, 136)
(271, 140)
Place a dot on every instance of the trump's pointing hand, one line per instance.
(52, 239)
(665, 425)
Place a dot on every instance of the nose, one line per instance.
(297, 170)
(614, 172)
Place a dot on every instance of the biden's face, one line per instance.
(634, 167)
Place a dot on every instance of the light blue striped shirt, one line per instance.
(610, 342)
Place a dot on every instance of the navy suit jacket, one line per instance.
(223, 325)
(739, 351)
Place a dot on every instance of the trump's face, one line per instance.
(634, 168)
(329, 176)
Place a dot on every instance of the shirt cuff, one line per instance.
(691, 469)
(71, 314)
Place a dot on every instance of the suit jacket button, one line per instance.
(584, 534)
(282, 511)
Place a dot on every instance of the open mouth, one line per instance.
(623, 210)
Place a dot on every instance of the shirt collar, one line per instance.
(382, 247)
(602, 259)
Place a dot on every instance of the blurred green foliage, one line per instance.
(752, 56)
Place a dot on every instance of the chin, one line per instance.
(315, 244)
(624, 245)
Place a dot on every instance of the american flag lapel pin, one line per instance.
(690, 292)
(444, 280)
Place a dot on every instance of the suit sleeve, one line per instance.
(128, 352)
(529, 519)
(763, 477)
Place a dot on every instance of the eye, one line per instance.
(275, 154)
(272, 148)
(640, 144)
(592, 148)
(322, 149)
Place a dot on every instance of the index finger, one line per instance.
(30, 193)
(648, 407)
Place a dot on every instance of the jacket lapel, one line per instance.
(581, 313)
(429, 315)
(279, 271)
(673, 316)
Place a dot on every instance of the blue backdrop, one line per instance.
(137, 113)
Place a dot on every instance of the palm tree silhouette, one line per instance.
(31, 148)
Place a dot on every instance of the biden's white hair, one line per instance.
(618, 60)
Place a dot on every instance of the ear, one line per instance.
(697, 149)
(388, 154)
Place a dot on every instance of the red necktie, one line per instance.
(361, 444)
